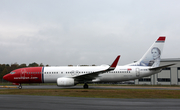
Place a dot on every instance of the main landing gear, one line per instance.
(85, 86)
(20, 86)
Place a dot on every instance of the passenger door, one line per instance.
(137, 72)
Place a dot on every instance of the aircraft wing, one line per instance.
(161, 67)
(93, 75)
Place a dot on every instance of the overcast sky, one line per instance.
(63, 32)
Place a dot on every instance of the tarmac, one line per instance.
(27, 102)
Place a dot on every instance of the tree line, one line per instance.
(7, 68)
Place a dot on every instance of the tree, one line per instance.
(22, 65)
(1, 68)
(4, 72)
(33, 64)
(41, 65)
(14, 66)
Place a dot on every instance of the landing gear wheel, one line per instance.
(20, 87)
(85, 86)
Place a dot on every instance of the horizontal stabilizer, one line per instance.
(161, 67)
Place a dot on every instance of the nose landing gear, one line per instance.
(20, 86)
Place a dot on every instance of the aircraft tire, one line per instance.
(85, 86)
(20, 87)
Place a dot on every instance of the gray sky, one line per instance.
(63, 32)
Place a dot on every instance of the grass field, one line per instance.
(97, 93)
(98, 84)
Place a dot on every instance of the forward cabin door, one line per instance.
(23, 73)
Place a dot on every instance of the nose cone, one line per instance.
(6, 77)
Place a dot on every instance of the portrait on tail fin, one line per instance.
(153, 55)
(156, 53)
(155, 59)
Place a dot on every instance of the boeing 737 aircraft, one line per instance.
(70, 76)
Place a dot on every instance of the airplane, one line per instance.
(66, 76)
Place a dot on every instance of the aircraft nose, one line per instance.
(6, 77)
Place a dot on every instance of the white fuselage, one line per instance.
(121, 73)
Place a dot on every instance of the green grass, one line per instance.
(98, 93)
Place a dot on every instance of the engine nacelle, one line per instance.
(65, 82)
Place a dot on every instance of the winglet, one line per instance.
(114, 64)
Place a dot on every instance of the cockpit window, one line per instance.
(12, 72)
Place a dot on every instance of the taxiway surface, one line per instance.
(27, 102)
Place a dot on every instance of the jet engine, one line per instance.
(65, 82)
